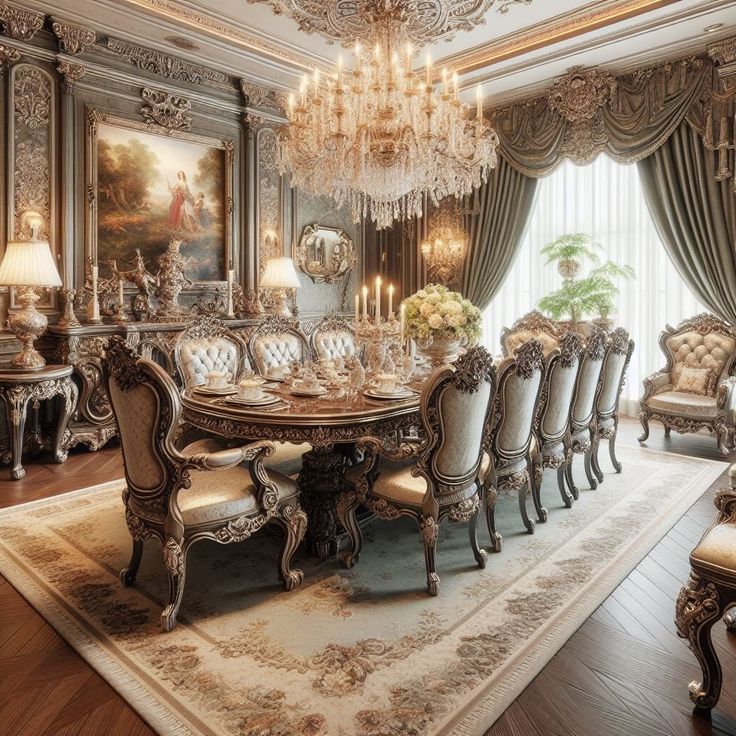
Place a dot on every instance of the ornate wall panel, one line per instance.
(270, 198)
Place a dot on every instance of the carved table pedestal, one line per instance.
(18, 390)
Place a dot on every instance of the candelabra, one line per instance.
(381, 344)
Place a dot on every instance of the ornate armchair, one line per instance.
(709, 593)
(552, 424)
(531, 325)
(207, 345)
(275, 343)
(437, 477)
(619, 348)
(511, 441)
(696, 388)
(333, 336)
(182, 496)
(582, 414)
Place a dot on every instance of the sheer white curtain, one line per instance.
(604, 200)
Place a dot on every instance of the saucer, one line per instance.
(265, 400)
(402, 393)
(216, 390)
(309, 392)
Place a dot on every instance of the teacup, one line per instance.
(250, 389)
(217, 379)
(387, 383)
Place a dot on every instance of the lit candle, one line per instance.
(429, 70)
(445, 82)
(357, 57)
(390, 299)
(357, 308)
(455, 85)
(479, 102)
(230, 281)
(402, 324)
(409, 55)
(339, 72)
(378, 300)
(365, 303)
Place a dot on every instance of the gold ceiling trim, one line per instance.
(554, 31)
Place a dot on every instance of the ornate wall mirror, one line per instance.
(325, 253)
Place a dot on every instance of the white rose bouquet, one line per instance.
(436, 312)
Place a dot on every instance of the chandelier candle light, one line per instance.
(380, 137)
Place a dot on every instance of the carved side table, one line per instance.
(18, 390)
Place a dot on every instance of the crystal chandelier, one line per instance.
(380, 137)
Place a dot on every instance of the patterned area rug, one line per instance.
(363, 651)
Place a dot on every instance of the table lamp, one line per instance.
(279, 275)
(28, 264)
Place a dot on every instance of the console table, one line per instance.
(18, 389)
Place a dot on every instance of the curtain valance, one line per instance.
(629, 116)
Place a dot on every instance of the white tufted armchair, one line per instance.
(696, 389)
(275, 344)
(532, 325)
(333, 336)
(207, 345)
(181, 496)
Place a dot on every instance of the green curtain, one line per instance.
(695, 216)
(495, 233)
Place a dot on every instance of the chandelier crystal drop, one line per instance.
(380, 137)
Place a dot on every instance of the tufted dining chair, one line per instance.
(619, 348)
(275, 344)
(181, 496)
(552, 424)
(511, 441)
(531, 325)
(436, 477)
(709, 595)
(205, 345)
(696, 389)
(333, 336)
(582, 413)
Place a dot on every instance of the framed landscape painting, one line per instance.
(150, 187)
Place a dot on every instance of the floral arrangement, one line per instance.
(438, 313)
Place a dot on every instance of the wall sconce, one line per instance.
(444, 251)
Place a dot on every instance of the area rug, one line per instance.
(363, 651)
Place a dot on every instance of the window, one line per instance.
(604, 200)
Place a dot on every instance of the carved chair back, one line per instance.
(208, 345)
(615, 362)
(704, 341)
(146, 405)
(275, 343)
(455, 413)
(531, 325)
(558, 388)
(591, 364)
(333, 336)
(516, 402)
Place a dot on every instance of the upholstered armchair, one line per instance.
(333, 336)
(619, 348)
(511, 441)
(696, 389)
(275, 344)
(436, 477)
(582, 413)
(709, 594)
(207, 345)
(183, 496)
(552, 423)
(531, 325)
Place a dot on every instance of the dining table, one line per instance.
(331, 424)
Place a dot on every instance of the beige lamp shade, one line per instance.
(280, 274)
(29, 263)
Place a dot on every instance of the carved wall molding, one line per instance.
(8, 56)
(73, 40)
(256, 95)
(169, 66)
(166, 110)
(269, 197)
(426, 21)
(70, 73)
(19, 23)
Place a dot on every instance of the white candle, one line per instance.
(445, 82)
(357, 308)
(390, 299)
(339, 72)
(365, 303)
(402, 325)
(479, 102)
(455, 84)
(357, 58)
(121, 294)
(429, 71)
(378, 300)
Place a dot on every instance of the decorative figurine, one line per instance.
(170, 280)
(68, 319)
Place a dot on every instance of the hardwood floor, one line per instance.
(624, 672)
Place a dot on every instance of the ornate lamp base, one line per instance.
(28, 325)
(280, 304)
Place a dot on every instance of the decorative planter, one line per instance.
(440, 350)
(569, 268)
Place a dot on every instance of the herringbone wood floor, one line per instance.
(623, 673)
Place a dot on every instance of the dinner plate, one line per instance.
(309, 392)
(266, 400)
(216, 390)
(374, 393)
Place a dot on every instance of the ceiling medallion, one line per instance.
(380, 137)
(425, 21)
